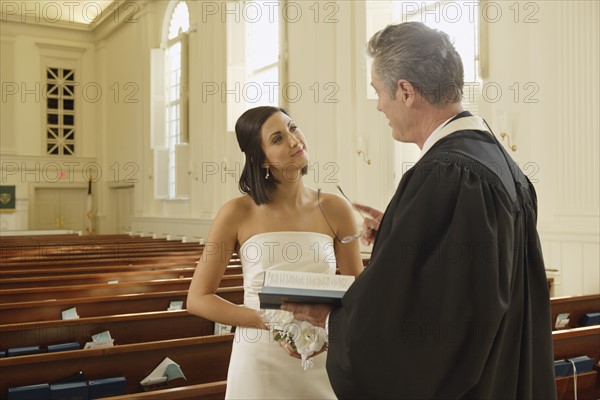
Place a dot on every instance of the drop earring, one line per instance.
(267, 174)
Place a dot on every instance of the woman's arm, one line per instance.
(218, 249)
(347, 255)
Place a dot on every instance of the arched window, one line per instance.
(253, 62)
(170, 104)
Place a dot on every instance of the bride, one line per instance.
(279, 223)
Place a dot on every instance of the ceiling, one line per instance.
(54, 11)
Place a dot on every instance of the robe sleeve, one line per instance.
(422, 320)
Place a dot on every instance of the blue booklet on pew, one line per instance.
(99, 388)
(38, 392)
(590, 319)
(69, 390)
(63, 347)
(565, 367)
(23, 351)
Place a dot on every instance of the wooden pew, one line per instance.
(203, 359)
(102, 277)
(106, 305)
(44, 268)
(61, 250)
(576, 342)
(124, 329)
(576, 306)
(50, 275)
(203, 391)
(105, 289)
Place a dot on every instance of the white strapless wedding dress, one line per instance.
(259, 368)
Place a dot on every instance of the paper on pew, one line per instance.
(99, 345)
(175, 305)
(70, 313)
(100, 341)
(562, 320)
(167, 370)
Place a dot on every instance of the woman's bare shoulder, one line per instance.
(236, 209)
(333, 200)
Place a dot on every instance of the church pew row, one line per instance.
(119, 254)
(51, 247)
(202, 359)
(569, 343)
(59, 249)
(203, 391)
(8, 242)
(69, 237)
(105, 289)
(38, 266)
(86, 279)
(576, 306)
(43, 272)
(123, 328)
(53, 276)
(105, 305)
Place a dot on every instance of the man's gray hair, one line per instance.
(423, 56)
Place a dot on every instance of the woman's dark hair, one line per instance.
(248, 132)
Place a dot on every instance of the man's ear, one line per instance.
(405, 90)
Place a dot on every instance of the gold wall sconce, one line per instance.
(361, 149)
(506, 125)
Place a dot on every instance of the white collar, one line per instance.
(470, 123)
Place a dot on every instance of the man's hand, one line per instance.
(316, 314)
(370, 223)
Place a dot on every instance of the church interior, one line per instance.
(117, 148)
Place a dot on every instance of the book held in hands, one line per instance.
(302, 287)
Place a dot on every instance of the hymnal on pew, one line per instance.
(39, 391)
(167, 371)
(302, 287)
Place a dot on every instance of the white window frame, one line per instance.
(169, 132)
(379, 13)
(246, 86)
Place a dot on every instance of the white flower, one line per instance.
(301, 336)
(276, 319)
(308, 338)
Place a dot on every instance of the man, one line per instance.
(455, 302)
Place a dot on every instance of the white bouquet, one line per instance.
(301, 336)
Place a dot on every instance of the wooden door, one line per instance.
(61, 208)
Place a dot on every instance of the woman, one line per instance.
(279, 223)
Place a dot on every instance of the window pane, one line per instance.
(180, 20)
(263, 35)
(456, 18)
(60, 111)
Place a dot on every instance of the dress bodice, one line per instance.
(287, 250)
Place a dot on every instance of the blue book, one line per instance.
(590, 319)
(2, 354)
(583, 364)
(108, 387)
(38, 392)
(562, 368)
(70, 390)
(23, 351)
(565, 367)
(63, 347)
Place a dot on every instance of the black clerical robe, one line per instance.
(454, 303)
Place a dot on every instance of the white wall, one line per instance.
(550, 50)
